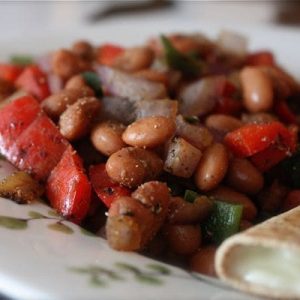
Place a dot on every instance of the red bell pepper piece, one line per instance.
(268, 158)
(107, 190)
(10, 72)
(228, 106)
(68, 188)
(34, 81)
(261, 58)
(226, 89)
(284, 112)
(107, 54)
(253, 138)
(39, 148)
(277, 151)
(15, 117)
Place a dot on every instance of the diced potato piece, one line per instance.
(21, 188)
(182, 158)
(198, 135)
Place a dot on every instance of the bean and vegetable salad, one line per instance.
(166, 148)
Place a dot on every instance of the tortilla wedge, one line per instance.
(265, 259)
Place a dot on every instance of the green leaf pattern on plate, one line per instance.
(151, 274)
(35, 215)
(53, 213)
(13, 223)
(159, 268)
(100, 276)
(58, 226)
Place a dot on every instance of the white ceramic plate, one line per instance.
(44, 257)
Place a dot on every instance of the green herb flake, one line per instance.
(190, 196)
(192, 119)
(92, 80)
(21, 60)
(223, 222)
(186, 64)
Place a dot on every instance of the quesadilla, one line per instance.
(265, 259)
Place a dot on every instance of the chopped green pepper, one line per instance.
(192, 119)
(223, 222)
(188, 65)
(92, 80)
(190, 196)
(21, 60)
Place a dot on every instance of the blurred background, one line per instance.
(34, 17)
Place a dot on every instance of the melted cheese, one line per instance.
(272, 268)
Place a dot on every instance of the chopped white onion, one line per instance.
(124, 85)
(232, 42)
(199, 98)
(165, 107)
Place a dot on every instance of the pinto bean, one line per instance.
(212, 167)
(134, 221)
(153, 75)
(65, 63)
(123, 233)
(183, 212)
(292, 200)
(271, 198)
(229, 195)
(56, 104)
(107, 137)
(155, 196)
(83, 49)
(133, 166)
(223, 123)
(183, 239)
(204, 261)
(124, 229)
(243, 176)
(76, 82)
(76, 120)
(257, 90)
(149, 132)
(134, 59)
